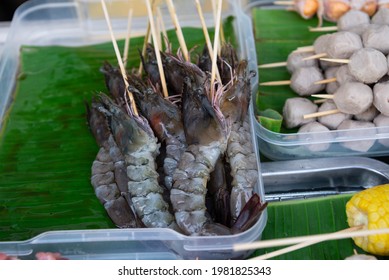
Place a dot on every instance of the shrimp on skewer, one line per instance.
(205, 131)
(240, 150)
(165, 120)
(109, 178)
(139, 146)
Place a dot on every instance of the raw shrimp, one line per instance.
(205, 131)
(139, 146)
(240, 150)
(109, 178)
(165, 120)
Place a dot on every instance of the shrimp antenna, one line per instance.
(156, 49)
(179, 33)
(119, 58)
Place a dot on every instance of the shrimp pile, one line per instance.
(186, 162)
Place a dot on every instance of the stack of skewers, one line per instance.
(351, 65)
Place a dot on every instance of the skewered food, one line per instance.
(377, 37)
(343, 44)
(343, 75)
(321, 129)
(368, 65)
(332, 121)
(303, 81)
(382, 120)
(368, 115)
(369, 208)
(328, 74)
(353, 98)
(352, 20)
(294, 118)
(381, 97)
(352, 129)
(381, 17)
(295, 61)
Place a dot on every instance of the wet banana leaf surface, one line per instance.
(308, 217)
(46, 148)
(277, 33)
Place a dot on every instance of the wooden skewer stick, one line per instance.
(127, 41)
(214, 9)
(163, 27)
(119, 58)
(323, 29)
(206, 35)
(276, 83)
(144, 48)
(300, 245)
(319, 101)
(321, 114)
(326, 96)
(326, 81)
(337, 60)
(180, 36)
(299, 239)
(284, 3)
(216, 47)
(315, 56)
(305, 49)
(273, 65)
(156, 48)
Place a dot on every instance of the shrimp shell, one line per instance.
(140, 149)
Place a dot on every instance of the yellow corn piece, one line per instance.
(370, 208)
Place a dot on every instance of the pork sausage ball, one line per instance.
(353, 98)
(295, 61)
(353, 19)
(381, 97)
(334, 120)
(368, 115)
(328, 74)
(343, 75)
(354, 129)
(294, 110)
(377, 37)
(381, 17)
(343, 44)
(382, 121)
(368, 65)
(317, 132)
(303, 79)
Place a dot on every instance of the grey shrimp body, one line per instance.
(108, 177)
(240, 151)
(206, 143)
(140, 149)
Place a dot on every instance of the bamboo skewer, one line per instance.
(326, 81)
(144, 48)
(305, 49)
(206, 35)
(180, 36)
(273, 65)
(321, 114)
(163, 28)
(337, 60)
(276, 83)
(326, 96)
(309, 238)
(299, 245)
(119, 58)
(128, 36)
(323, 29)
(315, 56)
(156, 48)
(216, 47)
(214, 9)
(284, 3)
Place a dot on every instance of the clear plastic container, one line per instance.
(281, 146)
(77, 23)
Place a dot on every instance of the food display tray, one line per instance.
(76, 23)
(284, 180)
(287, 146)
